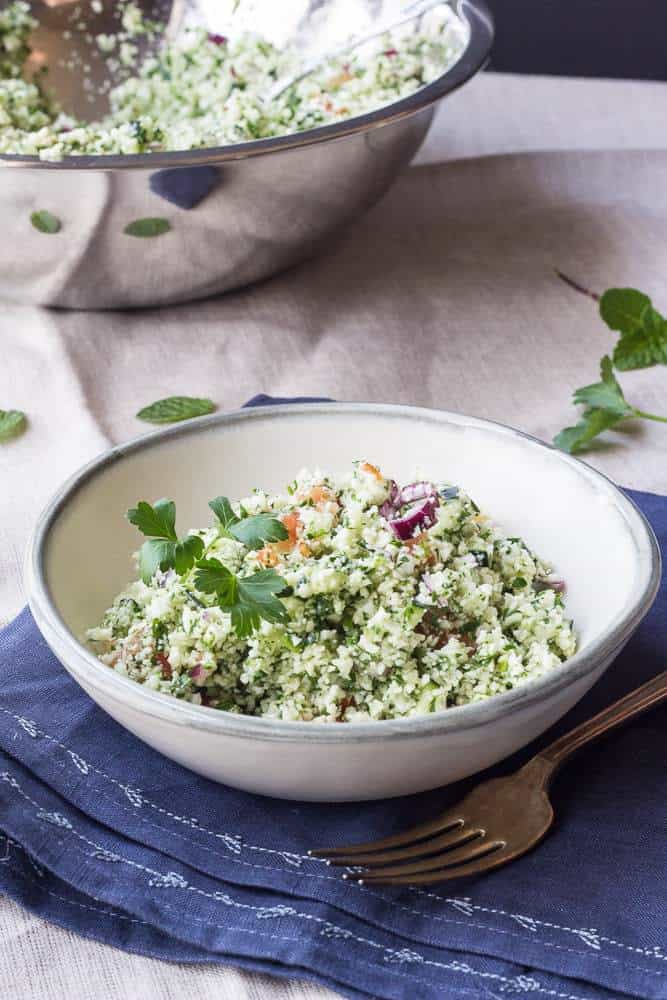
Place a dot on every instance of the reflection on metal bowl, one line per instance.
(161, 228)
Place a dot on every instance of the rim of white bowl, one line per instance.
(79, 660)
(475, 14)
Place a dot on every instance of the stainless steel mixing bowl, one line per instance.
(226, 217)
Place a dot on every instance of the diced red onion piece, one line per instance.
(420, 515)
(416, 491)
(543, 583)
(217, 39)
(199, 674)
(388, 508)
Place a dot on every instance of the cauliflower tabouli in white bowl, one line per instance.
(345, 599)
(347, 637)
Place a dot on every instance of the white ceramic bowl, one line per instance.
(596, 538)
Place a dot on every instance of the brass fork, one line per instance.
(497, 822)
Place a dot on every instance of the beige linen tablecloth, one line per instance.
(445, 295)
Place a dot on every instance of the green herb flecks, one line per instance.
(176, 408)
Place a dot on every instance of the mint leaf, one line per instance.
(248, 599)
(175, 408)
(44, 222)
(164, 549)
(605, 395)
(12, 423)
(592, 423)
(147, 228)
(644, 347)
(622, 309)
(643, 340)
(158, 521)
(252, 530)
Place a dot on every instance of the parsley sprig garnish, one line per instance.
(163, 549)
(248, 599)
(642, 343)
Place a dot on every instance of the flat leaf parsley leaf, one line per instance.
(248, 599)
(163, 549)
(643, 340)
(252, 530)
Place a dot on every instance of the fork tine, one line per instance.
(446, 821)
(462, 855)
(476, 866)
(455, 837)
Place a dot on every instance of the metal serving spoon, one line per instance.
(409, 12)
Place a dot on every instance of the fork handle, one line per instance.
(638, 701)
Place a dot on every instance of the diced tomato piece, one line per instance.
(167, 672)
(372, 470)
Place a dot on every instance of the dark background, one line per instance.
(612, 38)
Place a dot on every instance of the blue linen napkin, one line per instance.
(104, 836)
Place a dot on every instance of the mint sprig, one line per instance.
(248, 599)
(163, 549)
(642, 343)
(605, 407)
(253, 531)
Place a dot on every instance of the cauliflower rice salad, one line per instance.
(204, 90)
(343, 600)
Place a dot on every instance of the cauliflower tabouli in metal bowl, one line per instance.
(344, 600)
(206, 90)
